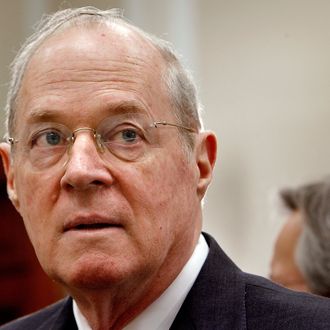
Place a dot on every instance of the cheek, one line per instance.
(35, 190)
(150, 185)
(161, 193)
(36, 196)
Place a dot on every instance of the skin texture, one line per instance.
(284, 269)
(77, 78)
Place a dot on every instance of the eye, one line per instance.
(129, 135)
(53, 138)
(48, 138)
(124, 135)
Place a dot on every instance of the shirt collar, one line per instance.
(161, 313)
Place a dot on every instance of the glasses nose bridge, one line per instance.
(95, 135)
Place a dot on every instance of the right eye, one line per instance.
(48, 138)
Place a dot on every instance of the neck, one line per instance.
(106, 312)
(116, 306)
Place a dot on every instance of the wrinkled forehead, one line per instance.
(96, 53)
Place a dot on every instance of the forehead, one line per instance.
(89, 64)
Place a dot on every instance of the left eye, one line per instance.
(129, 135)
(123, 135)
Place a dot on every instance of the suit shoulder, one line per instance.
(39, 319)
(281, 308)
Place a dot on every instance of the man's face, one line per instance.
(94, 222)
(284, 269)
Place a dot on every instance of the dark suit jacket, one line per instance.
(223, 297)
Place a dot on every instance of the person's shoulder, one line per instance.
(281, 308)
(38, 320)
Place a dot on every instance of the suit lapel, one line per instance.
(62, 319)
(217, 298)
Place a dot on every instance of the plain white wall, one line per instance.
(265, 79)
(263, 72)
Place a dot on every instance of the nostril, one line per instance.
(80, 175)
(97, 183)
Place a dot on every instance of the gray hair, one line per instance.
(177, 79)
(313, 249)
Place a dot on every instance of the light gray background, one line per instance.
(263, 72)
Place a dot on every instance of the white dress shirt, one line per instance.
(161, 313)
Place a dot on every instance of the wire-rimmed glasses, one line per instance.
(127, 136)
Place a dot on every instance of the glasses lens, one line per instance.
(127, 136)
(46, 144)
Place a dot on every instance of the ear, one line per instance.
(9, 171)
(206, 154)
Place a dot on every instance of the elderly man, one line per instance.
(107, 164)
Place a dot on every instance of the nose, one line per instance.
(85, 167)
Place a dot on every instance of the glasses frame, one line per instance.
(12, 140)
(100, 145)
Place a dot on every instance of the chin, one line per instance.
(90, 274)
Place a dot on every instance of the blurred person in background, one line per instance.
(301, 257)
(284, 269)
(108, 164)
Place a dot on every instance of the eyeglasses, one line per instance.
(129, 137)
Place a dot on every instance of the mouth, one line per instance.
(90, 224)
(93, 226)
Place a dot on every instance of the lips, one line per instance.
(91, 222)
(93, 226)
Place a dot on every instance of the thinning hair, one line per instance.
(312, 253)
(177, 79)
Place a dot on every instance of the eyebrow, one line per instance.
(123, 107)
(42, 115)
(129, 107)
